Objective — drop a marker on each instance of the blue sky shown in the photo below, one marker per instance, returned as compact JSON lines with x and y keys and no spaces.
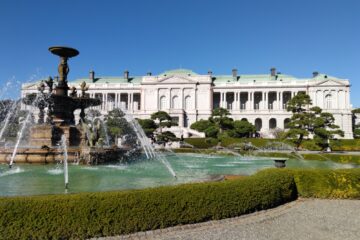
{"x":297,"y":37}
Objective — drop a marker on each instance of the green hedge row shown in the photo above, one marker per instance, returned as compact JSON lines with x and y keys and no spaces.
{"x":202,"y":142}
{"x":339,"y":158}
{"x":339,"y":145}
{"x":86,"y":215}
{"x":346,"y":145}
{"x":322,"y":183}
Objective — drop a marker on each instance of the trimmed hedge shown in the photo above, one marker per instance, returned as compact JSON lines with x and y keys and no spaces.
{"x":202,"y":142}
{"x":86,"y":215}
{"x":321,"y":183}
{"x":339,"y":145}
{"x":346,"y":145}
{"x":339,"y":158}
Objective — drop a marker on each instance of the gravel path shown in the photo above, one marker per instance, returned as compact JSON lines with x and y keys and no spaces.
{"x":301,"y":219}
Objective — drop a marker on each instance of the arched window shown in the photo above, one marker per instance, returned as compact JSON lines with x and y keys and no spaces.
{"x":328,"y":101}
{"x":163,"y":103}
{"x":258,"y":124}
{"x":286,"y":122}
{"x":188,"y":103}
{"x":175,"y":102}
{"x":244,"y":119}
{"x":272,"y":123}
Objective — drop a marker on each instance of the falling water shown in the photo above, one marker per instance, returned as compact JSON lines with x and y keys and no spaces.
{"x":8,"y":115}
{"x":103,"y":125}
{"x":65,"y":153}
{"x":232,"y":152}
{"x":145,"y":143}
{"x":107,"y":141}
{"x":19,"y":137}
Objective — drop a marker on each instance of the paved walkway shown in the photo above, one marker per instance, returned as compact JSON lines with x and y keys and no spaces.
{"x":301,"y":219}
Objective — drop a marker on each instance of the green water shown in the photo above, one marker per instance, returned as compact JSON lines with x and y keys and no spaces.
{"x":49,"y":179}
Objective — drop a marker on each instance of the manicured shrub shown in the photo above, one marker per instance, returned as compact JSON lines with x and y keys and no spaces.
{"x":345,"y":145}
{"x":339,"y":158}
{"x":202,"y":142}
{"x":85,"y":215}
{"x":324,"y":183}
{"x":310,"y":145}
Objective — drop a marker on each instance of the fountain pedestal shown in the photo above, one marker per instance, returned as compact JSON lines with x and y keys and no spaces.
{"x":43,"y":144}
{"x":41,"y":135}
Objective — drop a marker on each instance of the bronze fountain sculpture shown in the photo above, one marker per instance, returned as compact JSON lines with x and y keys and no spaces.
{"x":60,"y":120}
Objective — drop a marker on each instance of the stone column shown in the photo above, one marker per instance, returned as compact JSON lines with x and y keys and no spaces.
{"x":221,"y":99}
{"x":281,"y":105}
{"x":266,"y":100}
{"x":262,"y":106}
{"x":251,"y":100}
{"x":103,"y":101}
{"x":128,"y":108}
{"x":106,"y":102}
{"x":237,"y":107}
{"x":131,"y":101}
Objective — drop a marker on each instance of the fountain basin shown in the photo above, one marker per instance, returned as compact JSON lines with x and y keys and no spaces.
{"x":35,"y":179}
{"x":90,"y":156}
{"x":63,"y":51}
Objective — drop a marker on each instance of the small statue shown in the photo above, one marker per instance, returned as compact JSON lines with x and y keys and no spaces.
{"x":50,"y":84}
{"x":63,"y":70}
{"x":83,"y":88}
{"x":41,"y":87}
{"x":73,"y":91}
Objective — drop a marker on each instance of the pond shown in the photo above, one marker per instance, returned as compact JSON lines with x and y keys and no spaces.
{"x":27,"y":179}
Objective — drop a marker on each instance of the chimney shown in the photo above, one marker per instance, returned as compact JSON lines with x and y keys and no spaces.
{"x":210,"y":73}
{"x":148,"y":74}
{"x":234,"y":73}
{"x":92,"y":75}
{"x":315,"y":74}
{"x":126,"y":74}
{"x":273,"y":72}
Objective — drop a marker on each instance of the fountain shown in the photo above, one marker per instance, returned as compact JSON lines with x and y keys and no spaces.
{"x":57,"y":138}
{"x":59,"y":123}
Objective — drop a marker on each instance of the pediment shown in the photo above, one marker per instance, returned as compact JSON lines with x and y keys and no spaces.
{"x":176,"y":79}
{"x":330,"y":82}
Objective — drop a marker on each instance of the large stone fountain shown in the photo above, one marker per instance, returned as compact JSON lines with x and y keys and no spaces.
{"x":43,"y":142}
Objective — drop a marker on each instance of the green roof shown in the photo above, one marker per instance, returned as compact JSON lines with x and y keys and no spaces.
{"x":180,"y":71}
{"x":251,"y":78}
{"x":246,"y":78}
{"x":134,"y":80}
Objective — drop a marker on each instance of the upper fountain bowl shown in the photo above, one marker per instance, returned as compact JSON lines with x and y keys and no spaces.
{"x":64,"y":51}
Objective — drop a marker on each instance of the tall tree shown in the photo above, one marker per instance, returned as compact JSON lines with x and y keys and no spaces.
{"x":219,"y":117}
{"x":149,"y":126}
{"x":163,"y":118}
{"x":324,"y":129}
{"x":243,"y":129}
{"x":202,"y":125}
{"x":165,"y":137}
{"x":302,"y":118}
{"x":118,"y":126}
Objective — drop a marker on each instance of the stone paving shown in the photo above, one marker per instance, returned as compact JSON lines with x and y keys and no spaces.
{"x":302,"y":219}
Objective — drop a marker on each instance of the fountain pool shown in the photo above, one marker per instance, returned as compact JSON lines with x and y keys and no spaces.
{"x":27,"y":179}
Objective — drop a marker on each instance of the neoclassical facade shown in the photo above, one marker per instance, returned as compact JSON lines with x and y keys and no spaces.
{"x":189,"y":97}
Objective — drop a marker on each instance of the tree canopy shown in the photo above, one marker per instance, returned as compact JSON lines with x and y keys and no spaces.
{"x":308,"y":120}
{"x":220,"y":124}
{"x":163,"y":118}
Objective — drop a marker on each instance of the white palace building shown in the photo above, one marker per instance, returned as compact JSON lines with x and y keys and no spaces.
{"x":189,"y":97}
